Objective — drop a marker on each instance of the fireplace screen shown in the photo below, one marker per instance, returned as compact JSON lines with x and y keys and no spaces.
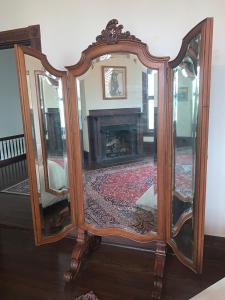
{"x":119,"y":141}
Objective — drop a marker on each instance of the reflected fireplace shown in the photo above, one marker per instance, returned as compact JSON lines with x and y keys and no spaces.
{"x":119,"y":141}
{"x":114,"y":136}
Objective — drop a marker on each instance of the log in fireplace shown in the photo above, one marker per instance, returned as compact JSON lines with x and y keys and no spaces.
{"x":115,"y":136}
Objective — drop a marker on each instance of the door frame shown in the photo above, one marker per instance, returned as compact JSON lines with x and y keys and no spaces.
{"x":28,"y":36}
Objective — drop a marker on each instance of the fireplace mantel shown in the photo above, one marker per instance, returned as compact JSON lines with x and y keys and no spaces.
{"x":113,"y":112}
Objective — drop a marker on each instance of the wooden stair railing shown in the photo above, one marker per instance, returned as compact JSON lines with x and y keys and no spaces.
{"x":12,"y":149}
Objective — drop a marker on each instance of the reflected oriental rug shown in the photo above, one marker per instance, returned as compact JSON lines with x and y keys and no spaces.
{"x":111,"y":195}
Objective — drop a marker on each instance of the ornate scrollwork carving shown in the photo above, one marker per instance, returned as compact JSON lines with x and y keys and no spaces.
{"x":113,"y":33}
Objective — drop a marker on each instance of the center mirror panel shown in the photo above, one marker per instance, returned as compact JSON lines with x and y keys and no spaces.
{"x":46,"y":103}
{"x":117,"y":107}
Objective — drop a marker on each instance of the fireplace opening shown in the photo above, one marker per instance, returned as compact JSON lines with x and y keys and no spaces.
{"x":115,"y":136}
{"x":119,"y":141}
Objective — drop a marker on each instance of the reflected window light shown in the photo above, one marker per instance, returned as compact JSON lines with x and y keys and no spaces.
{"x":105,"y":57}
{"x":61,"y":112}
{"x":60,"y":92}
{"x":184,"y":73}
{"x":151,"y":98}
{"x":48,"y":81}
{"x":175,"y":96}
{"x":79,"y":104}
{"x":151,"y":83}
{"x":50,"y":75}
{"x":61,"y":107}
{"x":150,"y":114}
{"x":78,"y":88}
{"x":198,"y":74}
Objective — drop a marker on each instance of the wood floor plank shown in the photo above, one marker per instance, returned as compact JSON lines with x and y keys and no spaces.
{"x":28,"y":272}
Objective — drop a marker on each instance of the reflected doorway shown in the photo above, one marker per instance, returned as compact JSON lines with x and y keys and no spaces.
{"x":15,"y":209}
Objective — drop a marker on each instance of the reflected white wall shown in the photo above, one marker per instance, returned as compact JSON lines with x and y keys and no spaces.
{"x":10,"y":112}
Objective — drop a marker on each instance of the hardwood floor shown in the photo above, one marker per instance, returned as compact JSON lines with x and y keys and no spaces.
{"x":35,"y":273}
{"x":15,"y":210}
{"x":13,"y":173}
{"x":28,"y":272}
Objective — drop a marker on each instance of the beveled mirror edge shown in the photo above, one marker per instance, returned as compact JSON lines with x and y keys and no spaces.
{"x":205,"y":27}
{"x":186,"y":40}
{"x":23,"y":89}
{"x":159,"y":63}
{"x":43,"y":143}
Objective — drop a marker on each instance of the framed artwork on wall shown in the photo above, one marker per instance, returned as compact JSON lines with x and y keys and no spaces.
{"x":114,"y":82}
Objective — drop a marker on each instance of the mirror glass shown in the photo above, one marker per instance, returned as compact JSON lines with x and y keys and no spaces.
{"x":53,"y":134}
{"x":117,"y":105}
{"x":185,"y":125}
{"x":49,"y":140}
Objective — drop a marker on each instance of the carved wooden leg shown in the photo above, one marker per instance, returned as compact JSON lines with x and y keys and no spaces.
{"x":160,"y":258}
{"x":77,"y":255}
{"x":84,"y":245}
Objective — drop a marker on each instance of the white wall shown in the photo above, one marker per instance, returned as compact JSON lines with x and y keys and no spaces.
{"x":93,"y":84}
{"x":67,"y":27}
{"x":10,"y":113}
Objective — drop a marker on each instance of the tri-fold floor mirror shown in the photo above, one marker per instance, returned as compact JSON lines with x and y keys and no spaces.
{"x":117,"y":145}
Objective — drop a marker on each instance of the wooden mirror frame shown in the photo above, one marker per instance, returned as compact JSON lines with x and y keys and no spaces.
{"x":205,"y":29}
{"x":113,"y":40}
{"x":21,"y":51}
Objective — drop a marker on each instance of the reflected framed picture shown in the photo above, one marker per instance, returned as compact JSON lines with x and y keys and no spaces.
{"x":114,"y":82}
{"x":182,"y":94}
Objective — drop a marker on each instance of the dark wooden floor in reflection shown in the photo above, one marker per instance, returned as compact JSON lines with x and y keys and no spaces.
{"x":12,"y":174}
{"x":15,"y":210}
{"x":35,"y":273}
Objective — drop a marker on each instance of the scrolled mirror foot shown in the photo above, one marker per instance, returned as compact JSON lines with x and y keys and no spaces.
{"x":74,"y":270}
{"x":160,"y":258}
{"x":68,"y":276}
{"x":85,"y":244}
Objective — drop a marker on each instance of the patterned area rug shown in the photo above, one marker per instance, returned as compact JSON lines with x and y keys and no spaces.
{"x":19,"y":188}
{"x":88,"y":296}
{"x":184,"y":171}
{"x":111,"y":195}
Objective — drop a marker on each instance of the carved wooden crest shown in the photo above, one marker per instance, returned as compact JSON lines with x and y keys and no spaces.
{"x":113,"y":33}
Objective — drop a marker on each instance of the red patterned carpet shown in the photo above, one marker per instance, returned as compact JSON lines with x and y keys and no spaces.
{"x":124,"y":183}
{"x":111,"y":195}
{"x":184,"y":171}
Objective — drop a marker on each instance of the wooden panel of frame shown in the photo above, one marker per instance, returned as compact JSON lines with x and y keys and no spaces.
{"x":21,"y":51}
{"x":113,"y":41}
{"x":197,"y":215}
{"x":120,"y":43}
